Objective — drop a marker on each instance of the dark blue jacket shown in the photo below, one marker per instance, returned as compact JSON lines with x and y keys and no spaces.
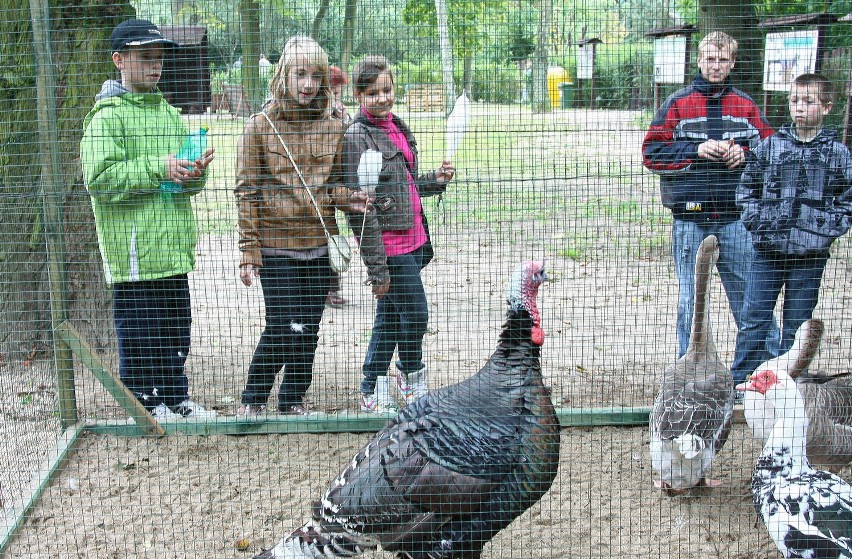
{"x":796,"y":197}
{"x":696,"y":189}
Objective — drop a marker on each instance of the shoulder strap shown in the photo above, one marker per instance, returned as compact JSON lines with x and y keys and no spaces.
{"x":298,"y":171}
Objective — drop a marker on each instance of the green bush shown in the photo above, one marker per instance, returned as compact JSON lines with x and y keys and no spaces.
{"x":223,"y":77}
{"x":496,"y":83}
{"x":491,"y":83}
{"x":408,"y":73}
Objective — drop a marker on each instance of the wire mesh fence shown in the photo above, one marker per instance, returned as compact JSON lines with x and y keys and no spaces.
{"x":182,"y":374}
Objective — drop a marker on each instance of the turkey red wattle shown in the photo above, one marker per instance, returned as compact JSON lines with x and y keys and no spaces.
{"x":537,"y":335}
{"x":536,"y":332}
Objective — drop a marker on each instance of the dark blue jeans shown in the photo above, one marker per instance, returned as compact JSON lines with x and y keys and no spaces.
{"x":294,"y":294}
{"x":153,"y":324}
{"x":400,"y":323}
{"x":801,"y":278}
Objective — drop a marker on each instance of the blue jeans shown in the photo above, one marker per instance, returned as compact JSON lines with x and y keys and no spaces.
{"x":801,"y":278}
{"x":400,"y":324}
{"x":735,"y":255}
{"x":153,"y":324}
{"x":294,"y":294}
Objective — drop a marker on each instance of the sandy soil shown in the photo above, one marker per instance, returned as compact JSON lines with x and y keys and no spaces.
{"x":609,"y":317}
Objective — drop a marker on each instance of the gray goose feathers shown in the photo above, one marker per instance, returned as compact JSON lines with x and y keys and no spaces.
{"x":827,"y":401}
{"x":691,"y":417}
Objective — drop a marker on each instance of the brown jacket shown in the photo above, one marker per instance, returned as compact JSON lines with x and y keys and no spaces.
{"x":274,"y":209}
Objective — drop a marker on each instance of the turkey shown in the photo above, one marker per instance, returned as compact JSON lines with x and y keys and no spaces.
{"x":808,"y":512}
{"x":456,"y":466}
{"x":691,"y":417}
{"x":827,"y":400}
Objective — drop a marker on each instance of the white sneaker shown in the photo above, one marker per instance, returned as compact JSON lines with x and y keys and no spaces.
{"x":251,"y":410}
{"x":193,"y":410}
{"x":413,"y":385}
{"x":163,"y":413}
{"x":380,"y":401}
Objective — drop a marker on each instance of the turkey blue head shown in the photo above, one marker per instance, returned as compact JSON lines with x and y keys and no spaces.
{"x":523,"y":290}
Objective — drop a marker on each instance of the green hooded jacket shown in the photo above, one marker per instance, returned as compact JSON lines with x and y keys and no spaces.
{"x":143,"y":233}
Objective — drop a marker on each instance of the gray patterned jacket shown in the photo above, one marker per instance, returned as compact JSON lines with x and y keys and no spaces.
{"x":796,"y":197}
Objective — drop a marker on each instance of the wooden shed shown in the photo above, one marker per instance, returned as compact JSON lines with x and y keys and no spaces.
{"x":186,"y":76}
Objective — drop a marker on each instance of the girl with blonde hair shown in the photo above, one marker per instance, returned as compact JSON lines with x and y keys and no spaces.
{"x":282,"y":241}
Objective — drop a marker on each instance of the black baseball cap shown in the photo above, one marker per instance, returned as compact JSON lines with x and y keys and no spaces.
{"x":137,"y":32}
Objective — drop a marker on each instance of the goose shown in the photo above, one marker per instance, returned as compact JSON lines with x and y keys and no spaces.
{"x":807,"y":511}
{"x":691,"y":417}
{"x":827,"y":400}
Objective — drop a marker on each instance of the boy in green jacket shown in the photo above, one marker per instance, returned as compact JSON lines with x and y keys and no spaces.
{"x":147,"y":237}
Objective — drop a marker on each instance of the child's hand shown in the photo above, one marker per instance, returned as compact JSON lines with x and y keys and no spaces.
{"x":445,"y":172}
{"x":178,"y":170}
{"x":181,"y":170}
{"x":202,"y":162}
{"x":359,"y":202}
{"x":380,"y":289}
{"x":247,"y":272}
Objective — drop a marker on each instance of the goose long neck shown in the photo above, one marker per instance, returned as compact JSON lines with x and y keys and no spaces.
{"x":701,"y":342}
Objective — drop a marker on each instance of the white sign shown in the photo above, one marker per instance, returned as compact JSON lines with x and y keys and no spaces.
{"x":788,"y":55}
{"x":670,"y":59}
{"x":585,"y":61}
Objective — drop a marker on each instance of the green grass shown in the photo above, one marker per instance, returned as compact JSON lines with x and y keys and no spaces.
{"x":215,"y":206}
{"x":510,"y":171}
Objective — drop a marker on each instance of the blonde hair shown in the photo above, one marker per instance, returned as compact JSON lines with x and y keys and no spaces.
{"x":721,"y":41}
{"x":314,"y":55}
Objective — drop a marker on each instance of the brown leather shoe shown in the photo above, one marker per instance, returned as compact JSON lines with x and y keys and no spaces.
{"x":335,"y":300}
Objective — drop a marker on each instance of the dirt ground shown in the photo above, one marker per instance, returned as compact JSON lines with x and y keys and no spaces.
{"x":609,"y":318}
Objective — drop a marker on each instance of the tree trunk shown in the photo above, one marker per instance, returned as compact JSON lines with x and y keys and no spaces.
{"x":349,"y":13}
{"x":318,"y":19}
{"x":738,"y":19}
{"x":446,"y":55}
{"x":540,"y":100}
{"x":81,"y":62}
{"x":467,"y":76}
{"x":250,"y":41}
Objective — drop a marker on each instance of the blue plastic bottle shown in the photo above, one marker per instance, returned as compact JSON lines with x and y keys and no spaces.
{"x":192,"y":149}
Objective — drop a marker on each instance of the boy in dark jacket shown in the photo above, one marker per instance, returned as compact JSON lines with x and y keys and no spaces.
{"x":796,"y":198}
{"x":697,"y":143}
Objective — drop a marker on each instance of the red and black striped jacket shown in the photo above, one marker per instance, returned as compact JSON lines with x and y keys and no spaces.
{"x":696,"y":189}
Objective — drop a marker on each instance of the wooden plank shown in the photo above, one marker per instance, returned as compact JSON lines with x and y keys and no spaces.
{"x":110,"y":381}
{"x":346,"y":422}
{"x":589,"y":417}
{"x":53,"y":193}
{"x":44,"y":476}
{"x":425,"y":98}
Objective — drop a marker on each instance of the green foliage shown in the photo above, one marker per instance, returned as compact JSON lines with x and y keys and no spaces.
{"x":491,"y":83}
{"x":227,"y":76}
{"x":494,"y":83}
{"x":466,"y":19}
{"x":623,"y":77}
{"x":521,"y":44}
